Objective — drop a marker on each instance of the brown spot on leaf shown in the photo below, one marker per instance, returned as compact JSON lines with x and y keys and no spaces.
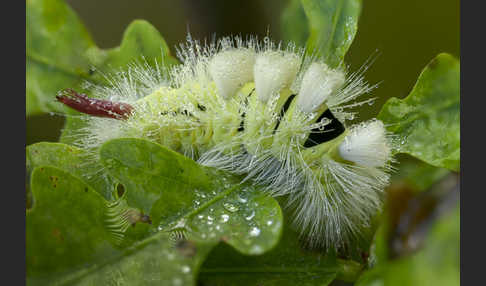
{"x":56,"y":233}
{"x":120,"y":190}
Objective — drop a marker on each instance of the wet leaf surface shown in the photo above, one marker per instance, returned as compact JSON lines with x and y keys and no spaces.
{"x":427,"y":121}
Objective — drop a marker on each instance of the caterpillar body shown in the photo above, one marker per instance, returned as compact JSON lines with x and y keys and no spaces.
{"x":261,"y":110}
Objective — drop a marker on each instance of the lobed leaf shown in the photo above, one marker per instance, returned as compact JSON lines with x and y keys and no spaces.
{"x":181,"y":195}
{"x":427,"y":121}
{"x":56,"y":47}
{"x":70,"y":242}
{"x":71,"y":160}
{"x":61,"y":54}
{"x":287,"y":264}
{"x":67,"y":242}
{"x":65,"y":227}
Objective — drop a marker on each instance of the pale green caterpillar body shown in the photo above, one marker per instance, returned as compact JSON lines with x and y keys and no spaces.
{"x":269,"y":113}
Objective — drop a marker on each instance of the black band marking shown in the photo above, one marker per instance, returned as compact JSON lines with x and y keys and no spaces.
{"x":201,"y":107}
{"x":284,"y":109}
{"x":242,"y":123}
{"x":331,"y":131}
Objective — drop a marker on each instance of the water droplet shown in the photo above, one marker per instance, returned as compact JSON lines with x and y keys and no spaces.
{"x":255,"y":231}
{"x":250,"y":216}
{"x":224,"y":218}
{"x":242,"y":199}
{"x":230,"y":207}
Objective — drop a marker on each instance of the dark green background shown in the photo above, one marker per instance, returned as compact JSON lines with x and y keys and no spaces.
{"x":406,"y":33}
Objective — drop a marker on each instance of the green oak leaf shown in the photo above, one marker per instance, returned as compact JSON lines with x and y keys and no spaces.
{"x":56,"y":44}
{"x":69,"y":159}
{"x":67,"y":242}
{"x":65,"y":229}
{"x":154,"y":261}
{"x":427,"y":121}
{"x":141,"y":43}
{"x":330,"y":30}
{"x":287,"y":264}
{"x":169,"y":186}
{"x":180,"y":195}
{"x":61,"y":53}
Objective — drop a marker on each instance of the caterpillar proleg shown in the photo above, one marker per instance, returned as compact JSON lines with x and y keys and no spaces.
{"x":262,"y":110}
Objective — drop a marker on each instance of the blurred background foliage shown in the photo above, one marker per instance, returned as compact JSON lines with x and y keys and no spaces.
{"x":404,"y":34}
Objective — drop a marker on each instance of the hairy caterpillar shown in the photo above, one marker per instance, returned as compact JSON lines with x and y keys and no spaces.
{"x":261,"y":110}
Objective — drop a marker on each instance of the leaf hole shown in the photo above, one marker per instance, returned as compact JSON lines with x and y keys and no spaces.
{"x":120,"y":190}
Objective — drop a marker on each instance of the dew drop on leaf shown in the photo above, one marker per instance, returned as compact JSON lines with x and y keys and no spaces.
{"x":255,"y":231}
{"x":249,"y":217}
{"x":186,"y":269}
{"x":224,"y":218}
{"x":230,"y":207}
